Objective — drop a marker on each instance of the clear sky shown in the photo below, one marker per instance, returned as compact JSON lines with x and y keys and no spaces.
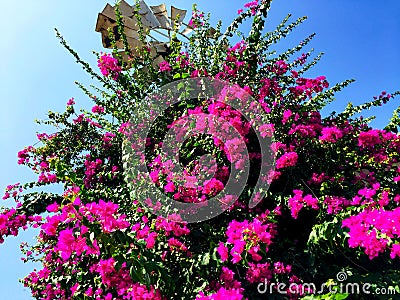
{"x":361,"y":39}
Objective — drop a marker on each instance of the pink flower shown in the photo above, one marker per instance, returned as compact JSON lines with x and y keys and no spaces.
{"x":286,"y":115}
{"x":330,"y":134}
{"x":212,"y":187}
{"x":395,"y":251}
{"x":307,"y":86}
{"x":47,"y":178}
{"x":288,"y":159}
{"x":165,"y":66}
{"x":154,"y":176}
{"x":195,"y":73}
{"x":108,"y":297}
{"x":151,"y":240}
{"x":311,"y":201}
{"x":369,"y":139}
{"x":267,"y":130}
{"x":97,"y":109}
{"x":173,"y":243}
{"x":371,"y":229}
{"x":304,"y":130}
{"x":109,"y":66}
{"x":247,"y":235}
{"x":89,"y":292}
{"x":66,"y":240}
{"x":279,"y":68}
{"x":258,"y":273}
{"x":122,"y":282}
{"x":335,"y":204}
{"x":251,"y":4}
{"x":222,"y":294}
{"x":44,"y":165}
{"x":280,"y":268}
{"x":107,"y":215}
{"x":74,"y":288}
{"x":169,"y":187}
{"x":297,"y":202}
{"x":71,"y":102}
{"x":50,"y":227}
{"x":53,"y":207}
{"x":77,"y":201}
{"x":222,"y":251}
{"x":227,"y":275}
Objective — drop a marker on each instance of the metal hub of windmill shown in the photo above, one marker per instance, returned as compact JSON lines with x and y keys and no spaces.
{"x":156,"y":21}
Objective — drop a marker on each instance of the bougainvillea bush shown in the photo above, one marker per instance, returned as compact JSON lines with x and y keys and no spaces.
{"x":332,"y":206}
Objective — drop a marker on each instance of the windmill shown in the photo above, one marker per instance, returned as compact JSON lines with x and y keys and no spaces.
{"x":157,"y":24}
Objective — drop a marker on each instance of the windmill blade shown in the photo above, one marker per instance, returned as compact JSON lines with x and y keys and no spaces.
{"x":108,"y":16}
{"x":161,"y":48}
{"x":125,"y":9}
{"x":107,"y":19}
{"x":160,"y":12}
{"x":157,"y":61}
{"x":135,"y":43}
{"x":106,"y":40}
{"x":125,"y":58}
{"x":126,"y":12}
{"x":148,"y":17}
{"x":129,"y":58}
{"x":187,"y":30}
{"x":104,"y":22}
{"x":211,"y":32}
{"x":130,"y":22}
{"x":131,"y":36}
{"x":153,"y":49}
{"x":131,"y":33}
{"x":109,"y":12}
{"x":174,"y":14}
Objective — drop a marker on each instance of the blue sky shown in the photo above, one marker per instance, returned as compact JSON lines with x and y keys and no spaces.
{"x":360,"y":39}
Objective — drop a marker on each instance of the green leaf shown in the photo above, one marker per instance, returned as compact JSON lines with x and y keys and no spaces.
{"x":206,"y":259}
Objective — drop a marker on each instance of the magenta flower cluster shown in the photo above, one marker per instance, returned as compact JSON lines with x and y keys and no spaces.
{"x":376,"y":231}
{"x":246,"y":238}
{"x":109,"y":66}
{"x":298,"y":201}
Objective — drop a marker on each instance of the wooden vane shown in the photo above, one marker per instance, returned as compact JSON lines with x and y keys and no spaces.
{"x":156,"y":22}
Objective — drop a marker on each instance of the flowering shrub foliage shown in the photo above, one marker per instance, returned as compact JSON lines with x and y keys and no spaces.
{"x":333,"y":202}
